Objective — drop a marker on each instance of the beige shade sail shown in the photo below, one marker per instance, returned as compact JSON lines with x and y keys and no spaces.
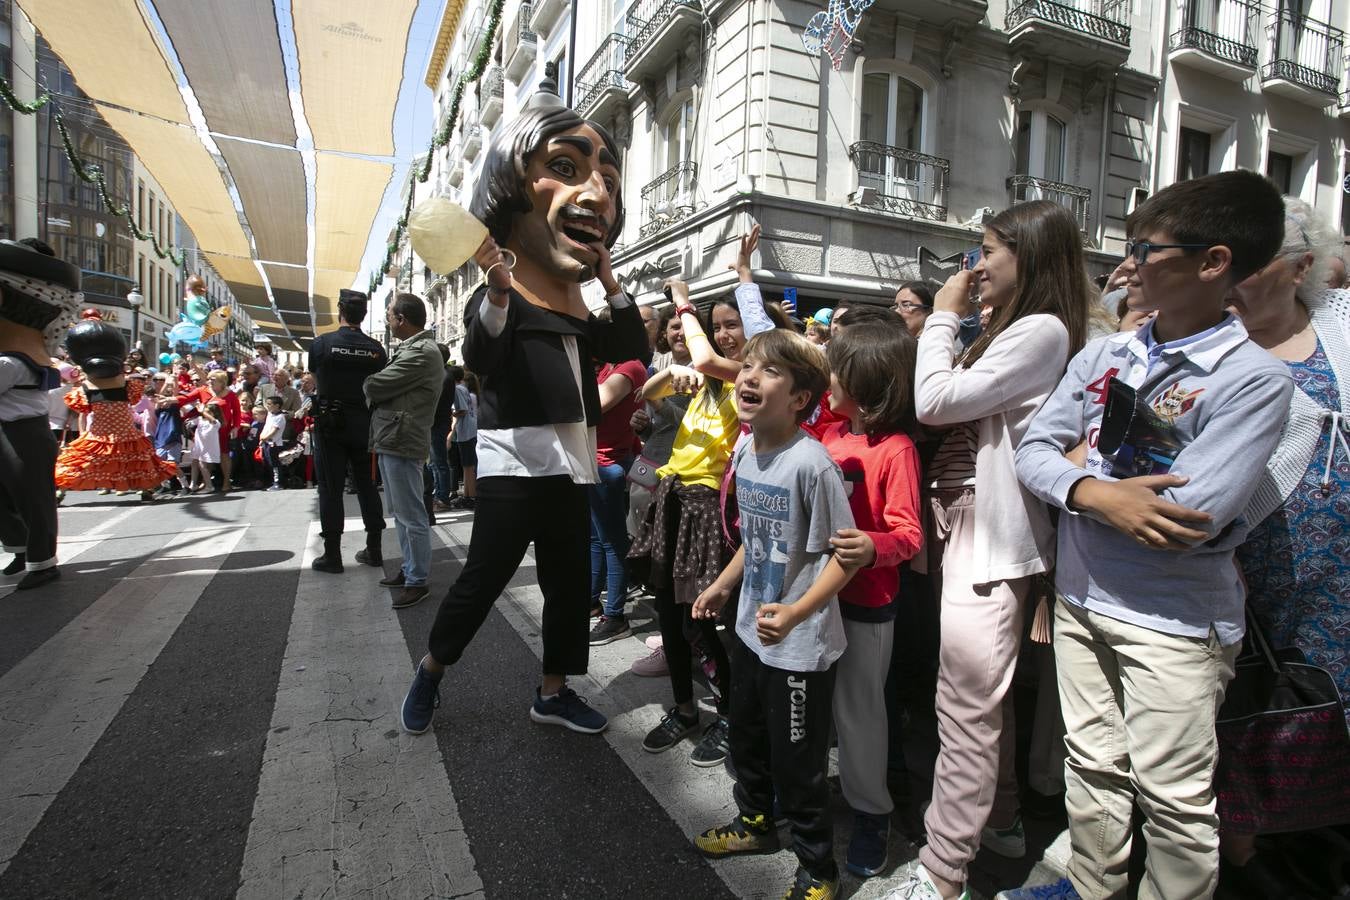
{"x":231,"y":53}
{"x":271,"y":184}
{"x":350,"y":56}
{"x":111,"y":50}
{"x":188,"y":174}
{"x":351,"y":68}
{"x":348,"y":193}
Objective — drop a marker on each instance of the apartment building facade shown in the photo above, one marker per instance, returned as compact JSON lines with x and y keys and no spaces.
{"x":941,"y":113}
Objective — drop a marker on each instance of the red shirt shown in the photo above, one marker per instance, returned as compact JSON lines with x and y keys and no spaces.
{"x":614,"y":437}
{"x":881,"y":477}
{"x":823,"y":420}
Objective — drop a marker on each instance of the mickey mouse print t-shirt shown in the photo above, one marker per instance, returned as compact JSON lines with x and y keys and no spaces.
{"x":791,"y":502}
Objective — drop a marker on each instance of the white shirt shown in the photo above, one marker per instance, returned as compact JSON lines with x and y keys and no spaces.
{"x":18,"y":402}
{"x":538,"y":451}
{"x":275,"y":429}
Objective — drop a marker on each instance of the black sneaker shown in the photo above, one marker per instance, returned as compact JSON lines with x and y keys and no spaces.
{"x":607,"y":630}
{"x":674,"y":727}
{"x":17,"y":564}
{"x":715,"y":744}
{"x":807,"y":887}
{"x":866,"y":854}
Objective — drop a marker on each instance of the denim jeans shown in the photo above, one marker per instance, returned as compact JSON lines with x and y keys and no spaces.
{"x":442,"y":481}
{"x":609,"y":536}
{"x":403,"y":489}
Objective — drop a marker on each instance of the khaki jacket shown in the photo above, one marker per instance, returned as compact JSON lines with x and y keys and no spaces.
{"x":402,"y":398}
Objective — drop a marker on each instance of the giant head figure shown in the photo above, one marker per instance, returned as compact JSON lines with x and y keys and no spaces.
{"x":37,"y":290}
{"x":550,"y":188}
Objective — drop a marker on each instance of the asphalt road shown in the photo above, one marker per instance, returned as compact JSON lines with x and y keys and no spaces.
{"x":190,"y":711}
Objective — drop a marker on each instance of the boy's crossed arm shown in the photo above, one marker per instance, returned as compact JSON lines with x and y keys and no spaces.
{"x":775,"y":621}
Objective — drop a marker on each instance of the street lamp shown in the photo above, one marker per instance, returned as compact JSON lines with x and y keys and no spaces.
{"x":134,"y":300}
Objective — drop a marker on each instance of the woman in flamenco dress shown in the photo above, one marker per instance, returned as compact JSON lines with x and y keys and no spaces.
{"x":112,"y":453}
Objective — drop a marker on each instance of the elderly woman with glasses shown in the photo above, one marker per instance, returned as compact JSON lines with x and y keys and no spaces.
{"x":1294,"y":561}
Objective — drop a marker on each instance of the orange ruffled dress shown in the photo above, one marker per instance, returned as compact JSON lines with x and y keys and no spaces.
{"x":112,"y":453}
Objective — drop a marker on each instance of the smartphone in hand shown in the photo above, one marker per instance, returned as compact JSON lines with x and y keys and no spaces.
{"x":970,"y":259}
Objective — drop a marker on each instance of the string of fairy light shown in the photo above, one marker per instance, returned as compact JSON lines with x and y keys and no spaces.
{"x":89,"y":173}
{"x":470,"y":76}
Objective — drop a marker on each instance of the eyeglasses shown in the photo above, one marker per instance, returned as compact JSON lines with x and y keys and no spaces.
{"x":907,"y":306}
{"x":1141,"y":249}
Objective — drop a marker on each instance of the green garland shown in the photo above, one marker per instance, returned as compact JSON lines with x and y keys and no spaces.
{"x":442,"y":136}
{"x":88,"y":173}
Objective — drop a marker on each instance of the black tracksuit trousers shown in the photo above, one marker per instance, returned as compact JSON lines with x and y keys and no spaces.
{"x":780,"y":744}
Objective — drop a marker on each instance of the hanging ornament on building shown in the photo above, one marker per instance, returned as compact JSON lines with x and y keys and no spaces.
{"x":831,"y":31}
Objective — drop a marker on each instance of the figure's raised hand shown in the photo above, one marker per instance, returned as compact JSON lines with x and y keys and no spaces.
{"x":491,"y":260}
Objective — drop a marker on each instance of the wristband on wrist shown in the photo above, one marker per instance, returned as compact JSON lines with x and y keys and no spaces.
{"x":686,"y":308}
{"x":695,"y":337}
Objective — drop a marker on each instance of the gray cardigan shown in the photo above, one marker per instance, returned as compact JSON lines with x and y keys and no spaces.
{"x":1330,"y":315}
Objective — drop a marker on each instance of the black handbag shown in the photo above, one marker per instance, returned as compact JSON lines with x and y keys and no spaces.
{"x":1284,"y":749}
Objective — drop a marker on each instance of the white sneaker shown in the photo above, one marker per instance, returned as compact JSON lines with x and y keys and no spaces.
{"x":920,"y":886}
{"x":1010,"y":842}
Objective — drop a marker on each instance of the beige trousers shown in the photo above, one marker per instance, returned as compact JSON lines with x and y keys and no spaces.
{"x":1139,"y":709}
{"x":981,"y":633}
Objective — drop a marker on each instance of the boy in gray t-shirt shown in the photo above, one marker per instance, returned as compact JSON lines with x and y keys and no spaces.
{"x":789,"y":633}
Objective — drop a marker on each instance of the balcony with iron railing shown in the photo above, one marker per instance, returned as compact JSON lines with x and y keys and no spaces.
{"x":1219,"y":38}
{"x":454,"y":165}
{"x":900,"y":181}
{"x":1083,"y":32}
{"x":600,"y":83}
{"x":471,"y":139}
{"x":1077,"y":200}
{"x":520,"y":44}
{"x":669,"y":198}
{"x":490,"y":96}
{"x":657,"y":30}
{"x":1307,"y":59}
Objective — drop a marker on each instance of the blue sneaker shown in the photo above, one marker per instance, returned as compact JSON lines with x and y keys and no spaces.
{"x":420,"y":705}
{"x":569,"y":710}
{"x":867,"y":847}
{"x":1060,"y":890}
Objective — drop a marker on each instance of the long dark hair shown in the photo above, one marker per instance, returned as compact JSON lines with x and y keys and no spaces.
{"x":499,"y":196}
{"x":1051,"y":274}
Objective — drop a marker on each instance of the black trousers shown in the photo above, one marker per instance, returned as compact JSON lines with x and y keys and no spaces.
{"x":780,"y":743}
{"x":28,"y":490}
{"x":510,"y":513}
{"x":332,"y":454}
{"x":683,"y":639}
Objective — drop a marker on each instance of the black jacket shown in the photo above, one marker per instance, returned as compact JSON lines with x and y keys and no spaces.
{"x":341,"y":361}
{"x":525,"y":378}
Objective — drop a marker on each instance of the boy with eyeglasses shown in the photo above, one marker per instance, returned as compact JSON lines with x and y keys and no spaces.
{"x":1151,"y":612}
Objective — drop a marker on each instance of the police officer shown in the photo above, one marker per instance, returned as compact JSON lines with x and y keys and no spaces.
{"x":341,"y":360}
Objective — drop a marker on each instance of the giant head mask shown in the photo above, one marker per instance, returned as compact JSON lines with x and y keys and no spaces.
{"x":37,"y":290}
{"x":550,"y":188}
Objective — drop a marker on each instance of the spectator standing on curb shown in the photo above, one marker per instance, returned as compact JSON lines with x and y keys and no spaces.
{"x":402,"y":398}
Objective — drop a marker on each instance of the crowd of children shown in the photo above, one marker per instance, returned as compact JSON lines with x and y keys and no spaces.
{"x":787,"y":485}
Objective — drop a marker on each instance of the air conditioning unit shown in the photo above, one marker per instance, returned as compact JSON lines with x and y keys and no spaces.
{"x":1137,"y":197}
{"x":863,"y":196}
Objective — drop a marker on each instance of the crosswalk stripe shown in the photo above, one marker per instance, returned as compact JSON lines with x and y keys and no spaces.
{"x":695,"y":798}
{"x":347,"y":804}
{"x":59,"y":700}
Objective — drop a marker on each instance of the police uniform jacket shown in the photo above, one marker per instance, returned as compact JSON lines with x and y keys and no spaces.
{"x":341,"y":361}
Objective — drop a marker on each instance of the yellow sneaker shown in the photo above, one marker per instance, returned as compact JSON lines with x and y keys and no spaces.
{"x":745,"y":834}
{"x":806,"y":887}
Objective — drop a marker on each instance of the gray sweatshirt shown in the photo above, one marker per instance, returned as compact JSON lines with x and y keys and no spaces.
{"x":1228,"y":401}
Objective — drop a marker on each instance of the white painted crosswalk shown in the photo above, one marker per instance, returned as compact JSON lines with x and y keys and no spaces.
{"x":338,"y":801}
